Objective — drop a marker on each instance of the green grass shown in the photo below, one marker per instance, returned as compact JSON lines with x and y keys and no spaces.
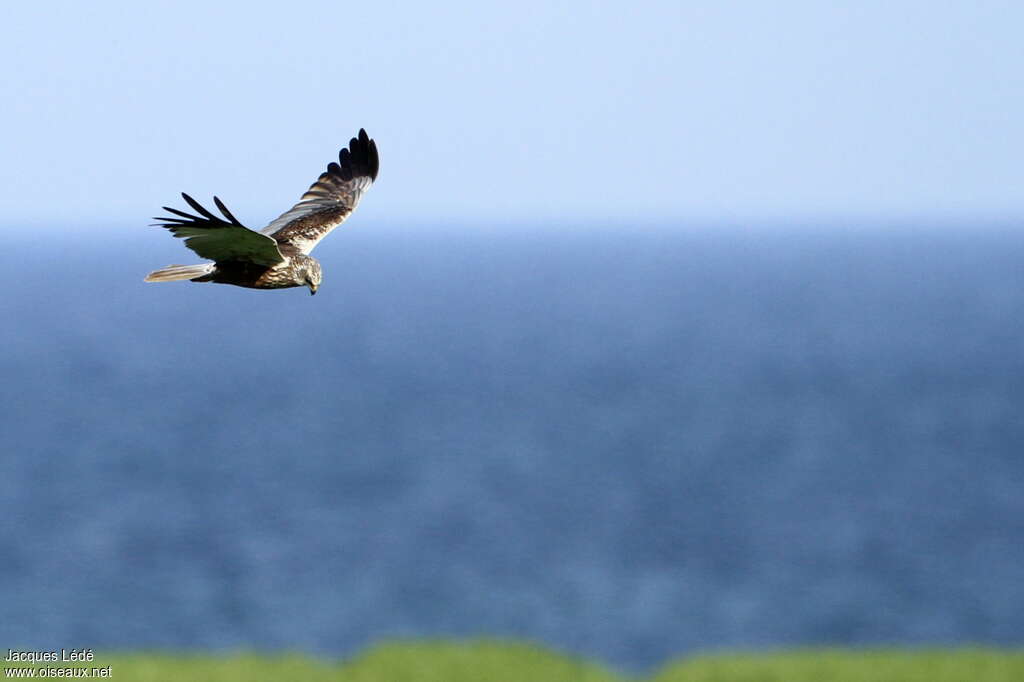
{"x":492,"y":661}
{"x":834,"y":665}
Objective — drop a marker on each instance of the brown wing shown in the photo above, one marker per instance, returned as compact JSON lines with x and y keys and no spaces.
{"x":220,"y":240}
{"x":330,"y":199}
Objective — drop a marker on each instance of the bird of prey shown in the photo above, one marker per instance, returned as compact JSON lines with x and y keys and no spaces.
{"x":276,"y":257}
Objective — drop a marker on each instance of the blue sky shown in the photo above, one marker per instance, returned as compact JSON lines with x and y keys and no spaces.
{"x":497,"y":113}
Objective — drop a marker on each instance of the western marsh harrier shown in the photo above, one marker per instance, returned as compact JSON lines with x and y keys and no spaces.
{"x":276,"y":257}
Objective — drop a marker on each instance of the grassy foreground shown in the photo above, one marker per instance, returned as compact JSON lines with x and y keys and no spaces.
{"x":490,"y":661}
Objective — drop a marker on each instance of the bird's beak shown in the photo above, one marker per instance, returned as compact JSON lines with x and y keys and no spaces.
{"x":312,"y":291}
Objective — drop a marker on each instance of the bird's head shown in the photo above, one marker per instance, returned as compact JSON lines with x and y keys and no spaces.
{"x":313,"y":276}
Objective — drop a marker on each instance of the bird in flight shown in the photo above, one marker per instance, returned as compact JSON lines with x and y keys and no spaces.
{"x":276,"y":257}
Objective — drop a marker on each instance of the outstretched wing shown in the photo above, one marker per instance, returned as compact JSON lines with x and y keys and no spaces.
{"x":220,"y":240}
{"x":331,"y":199}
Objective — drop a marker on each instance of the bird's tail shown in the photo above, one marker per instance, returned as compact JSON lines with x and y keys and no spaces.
{"x":173,"y":273}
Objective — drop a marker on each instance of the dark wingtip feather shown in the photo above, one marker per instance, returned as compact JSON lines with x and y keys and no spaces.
{"x":199,"y":207}
{"x":175,"y":211}
{"x":346,"y":169}
{"x":374,"y":160}
{"x":224,"y":209}
{"x":360,"y":158}
{"x":204,"y":219}
{"x":368,"y":154}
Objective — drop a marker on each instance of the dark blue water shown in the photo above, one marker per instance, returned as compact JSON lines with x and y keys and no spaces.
{"x":626,"y":443}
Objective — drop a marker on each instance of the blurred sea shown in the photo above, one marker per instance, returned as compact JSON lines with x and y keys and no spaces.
{"x":630,"y":443}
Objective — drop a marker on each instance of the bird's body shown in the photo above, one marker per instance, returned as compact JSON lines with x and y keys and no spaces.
{"x":276,"y":257}
{"x":295,"y":271}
